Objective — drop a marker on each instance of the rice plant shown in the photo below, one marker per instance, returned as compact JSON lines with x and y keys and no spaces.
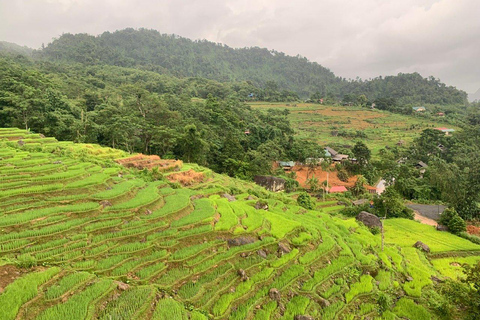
{"x":322,"y":274}
{"x":173,"y":203}
{"x":173,"y":275}
{"x":31,"y":190}
{"x":169,"y":309}
{"x":228,"y":219}
{"x":150,"y":271}
{"x":18,"y":218}
{"x":363,"y":286}
{"x":78,"y":306}
{"x":410,"y":310}
{"x":22,"y":290}
{"x":66,"y":283}
{"x":94,"y":179}
{"x":145,"y":196}
{"x":187,"y":252}
{"x":296,"y":306}
{"x":118,"y":189}
{"x":129,"y":304}
{"x":203,"y":210}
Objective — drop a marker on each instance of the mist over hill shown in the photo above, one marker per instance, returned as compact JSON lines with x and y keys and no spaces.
{"x":474,"y":96}
{"x":13,"y":48}
{"x":182,"y":57}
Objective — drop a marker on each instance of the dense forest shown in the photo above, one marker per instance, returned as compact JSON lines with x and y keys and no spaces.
{"x":263,"y":68}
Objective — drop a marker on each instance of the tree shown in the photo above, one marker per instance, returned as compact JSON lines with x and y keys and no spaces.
{"x":359,"y":186}
{"x":313,"y":184}
{"x":390,"y":204}
{"x":192,"y":146}
{"x":452,"y":220}
{"x":361,"y":153}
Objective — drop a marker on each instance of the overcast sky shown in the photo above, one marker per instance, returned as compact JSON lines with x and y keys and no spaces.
{"x":363,"y":38}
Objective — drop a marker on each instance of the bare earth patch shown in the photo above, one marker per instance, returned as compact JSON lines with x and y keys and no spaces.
{"x":424,"y":220}
{"x":8,"y":273}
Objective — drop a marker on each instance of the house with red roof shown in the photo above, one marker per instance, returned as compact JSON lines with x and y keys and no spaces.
{"x":337,"y":189}
{"x":447,"y":131}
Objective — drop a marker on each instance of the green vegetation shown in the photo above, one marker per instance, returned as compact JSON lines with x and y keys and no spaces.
{"x":21,"y":291}
{"x":405,"y":233}
{"x":170,"y":244}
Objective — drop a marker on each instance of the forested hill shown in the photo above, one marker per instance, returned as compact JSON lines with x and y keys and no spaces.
{"x":14,"y":49}
{"x":181,"y":57}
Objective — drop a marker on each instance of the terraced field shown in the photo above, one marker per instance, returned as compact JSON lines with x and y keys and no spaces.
{"x":82,"y":237}
{"x":326,"y":124}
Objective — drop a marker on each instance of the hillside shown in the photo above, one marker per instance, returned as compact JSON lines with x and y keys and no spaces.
{"x":270,"y":69}
{"x":12,"y":48}
{"x":83,"y":237}
{"x":344,"y":125}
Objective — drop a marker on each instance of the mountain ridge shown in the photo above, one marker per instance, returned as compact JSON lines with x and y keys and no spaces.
{"x":182,"y":57}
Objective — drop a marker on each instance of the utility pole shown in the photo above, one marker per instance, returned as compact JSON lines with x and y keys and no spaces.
{"x":327,"y":180}
{"x":381,"y":220}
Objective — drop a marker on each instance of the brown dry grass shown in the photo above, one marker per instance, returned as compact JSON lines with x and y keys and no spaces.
{"x":141,"y":161}
{"x":186,"y":178}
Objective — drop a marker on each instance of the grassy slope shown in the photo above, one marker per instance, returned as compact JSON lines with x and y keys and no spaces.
{"x":315,"y":122}
{"x":180,"y":248}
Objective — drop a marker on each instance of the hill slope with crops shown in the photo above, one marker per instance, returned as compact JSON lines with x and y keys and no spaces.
{"x":83,"y":237}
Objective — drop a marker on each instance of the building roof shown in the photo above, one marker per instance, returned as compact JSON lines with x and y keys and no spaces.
{"x":313,"y":160}
{"x":340,"y":157}
{"x":360,"y":202}
{"x":422,"y":164}
{"x":336,"y":189}
{"x":331,"y":151}
{"x":286,"y":163}
{"x":443,"y":129}
{"x":418,"y":108}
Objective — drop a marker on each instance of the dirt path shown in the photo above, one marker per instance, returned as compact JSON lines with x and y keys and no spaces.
{"x":424,"y":220}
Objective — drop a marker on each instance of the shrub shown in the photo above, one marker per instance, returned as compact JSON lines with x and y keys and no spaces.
{"x":456,"y":225}
{"x":453,"y":221}
{"x":304,"y":200}
{"x":342,"y":175}
{"x":26,"y":261}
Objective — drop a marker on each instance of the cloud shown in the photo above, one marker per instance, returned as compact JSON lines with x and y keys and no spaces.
{"x":353,"y":38}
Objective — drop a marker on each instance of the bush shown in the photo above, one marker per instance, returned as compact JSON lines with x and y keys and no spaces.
{"x":375,"y":230}
{"x":456,"y":225}
{"x":304,"y":200}
{"x":342,"y":175}
{"x":353,"y":211}
{"x":26,"y":261}
{"x":291,"y":185}
{"x":447,"y":215}
{"x":384,"y":302}
{"x":453,"y":221}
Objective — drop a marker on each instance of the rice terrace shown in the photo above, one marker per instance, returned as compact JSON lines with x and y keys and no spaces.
{"x":326,"y":124}
{"x":105,"y":242}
